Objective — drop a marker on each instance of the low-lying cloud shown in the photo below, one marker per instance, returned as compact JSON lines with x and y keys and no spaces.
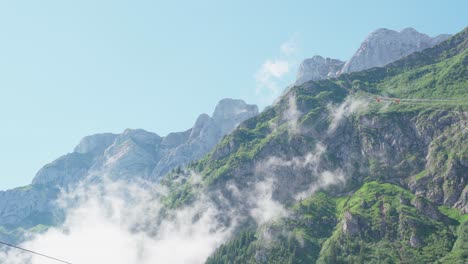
{"x":292,"y":115}
{"x":120,"y":223}
{"x":347,"y":108}
{"x":325,"y":179}
{"x":265,"y":208}
{"x":310,"y":162}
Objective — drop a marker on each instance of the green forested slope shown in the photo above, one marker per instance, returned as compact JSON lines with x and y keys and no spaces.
{"x":404,"y":197}
{"x":379,"y":223}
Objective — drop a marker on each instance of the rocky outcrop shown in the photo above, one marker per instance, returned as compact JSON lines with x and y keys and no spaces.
{"x":381,"y":47}
{"x":428,"y":209}
{"x":205,"y":134}
{"x":318,"y":68}
{"x":132,"y":155}
{"x":95,"y":144}
{"x":137,"y":153}
{"x":384,"y":46}
{"x":72,"y":167}
{"x":66,"y":169}
{"x":23,"y":206}
{"x":351,"y":225}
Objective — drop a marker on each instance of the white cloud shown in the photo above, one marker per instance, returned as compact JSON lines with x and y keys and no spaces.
{"x":345,"y":109}
{"x":311,"y":162}
{"x":290,"y":47}
{"x":271,"y":76}
{"x":274,"y":69}
{"x":292,"y":115}
{"x":325,"y":179}
{"x":265,"y":208}
{"x":121,"y":223}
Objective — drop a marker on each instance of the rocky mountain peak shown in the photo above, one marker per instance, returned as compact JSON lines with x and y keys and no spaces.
{"x":381,"y":47}
{"x":232,"y":108}
{"x":384,"y":46}
{"x":410,"y":30}
{"x":138,"y":153}
{"x":203,"y":123}
{"x":317,"y":68}
{"x":95,"y":143}
{"x":139,"y":136}
{"x":439,"y":38}
{"x":230,"y":112}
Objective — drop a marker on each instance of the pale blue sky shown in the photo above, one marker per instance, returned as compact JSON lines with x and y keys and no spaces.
{"x":73,"y":68}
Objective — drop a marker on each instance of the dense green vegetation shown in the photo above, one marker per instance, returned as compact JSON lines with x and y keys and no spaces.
{"x":437,"y":73}
{"x":297,"y":239}
{"x":382,"y":227}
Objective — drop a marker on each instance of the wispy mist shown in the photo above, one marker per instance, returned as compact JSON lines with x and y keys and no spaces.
{"x":292,"y":115}
{"x":347,"y":108}
{"x":265,"y":208}
{"x":122,"y":223}
{"x":117,"y":222}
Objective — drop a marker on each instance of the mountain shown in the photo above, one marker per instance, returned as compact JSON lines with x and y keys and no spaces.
{"x":328,"y":174}
{"x":380,"y":48}
{"x":384,"y":46}
{"x":133,"y":154}
{"x":318,"y":68}
{"x":350,"y":180}
{"x":139,"y":153}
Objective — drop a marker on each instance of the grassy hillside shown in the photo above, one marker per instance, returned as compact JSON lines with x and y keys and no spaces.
{"x":377,"y":224}
{"x":404,"y":196}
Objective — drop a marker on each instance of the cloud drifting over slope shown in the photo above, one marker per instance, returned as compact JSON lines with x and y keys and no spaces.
{"x":122,"y":224}
{"x":265,"y":208}
{"x":347,"y":108}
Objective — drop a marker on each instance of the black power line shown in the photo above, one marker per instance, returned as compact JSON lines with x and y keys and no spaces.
{"x":30,"y":251}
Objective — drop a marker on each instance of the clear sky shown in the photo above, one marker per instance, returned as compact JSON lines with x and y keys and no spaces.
{"x":72,"y":68}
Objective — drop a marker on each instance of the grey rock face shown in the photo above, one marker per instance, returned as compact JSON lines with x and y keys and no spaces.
{"x":137,"y":153}
{"x":95,"y":144}
{"x":131,"y":155}
{"x":428,"y":209}
{"x":384,"y":46}
{"x":175,"y":139}
{"x":229,"y":113}
{"x":134,"y":154}
{"x":17,"y":205}
{"x":381,"y":47}
{"x":318,"y":68}
{"x":415,"y":241}
{"x":350,"y":224}
{"x":205,"y":134}
{"x":439,"y":38}
{"x":74,"y":166}
{"x":68,"y":168}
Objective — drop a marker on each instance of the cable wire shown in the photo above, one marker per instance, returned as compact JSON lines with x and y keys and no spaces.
{"x":33,"y":252}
